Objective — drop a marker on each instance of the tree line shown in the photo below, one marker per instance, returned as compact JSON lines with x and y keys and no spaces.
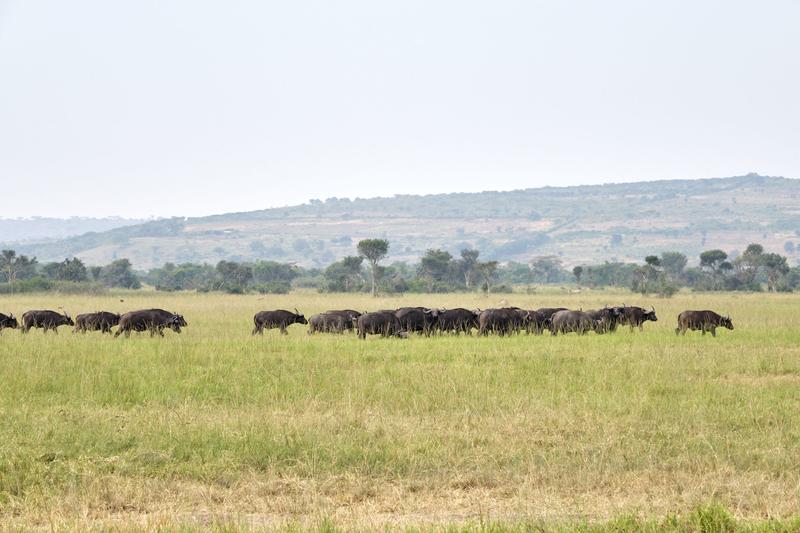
{"x":437,"y":271}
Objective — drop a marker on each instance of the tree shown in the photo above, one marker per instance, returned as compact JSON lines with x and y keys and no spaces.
{"x":120,"y":274}
{"x":775,"y":267}
{"x":673,"y":264}
{"x":344,"y":275}
{"x":14,"y":267}
{"x":68,"y":270}
{"x":577,"y":272}
{"x":435,"y":267}
{"x":96,"y":272}
{"x":715,"y":263}
{"x":653,"y":261}
{"x":488,"y":271}
{"x":374,"y":250}
{"x":468,"y":266}
{"x":651,"y":278}
{"x":747,"y":267}
{"x":712,"y":259}
{"x":546,"y":269}
{"x":235,"y":278}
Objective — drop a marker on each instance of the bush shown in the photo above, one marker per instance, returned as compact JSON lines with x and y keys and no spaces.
{"x":36,"y":284}
{"x":274,"y":287}
{"x":75,"y":287}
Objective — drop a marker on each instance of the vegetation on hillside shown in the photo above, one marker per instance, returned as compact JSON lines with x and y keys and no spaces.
{"x":579,"y":225}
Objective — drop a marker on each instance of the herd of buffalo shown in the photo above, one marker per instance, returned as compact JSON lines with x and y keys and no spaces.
{"x":395,"y":322}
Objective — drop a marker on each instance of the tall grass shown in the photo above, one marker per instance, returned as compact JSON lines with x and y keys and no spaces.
{"x":277,"y":430}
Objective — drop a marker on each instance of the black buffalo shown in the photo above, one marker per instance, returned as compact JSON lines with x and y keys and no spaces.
{"x":458,"y":320}
{"x":152,"y":320}
{"x":574,"y":322}
{"x":349,"y":313}
{"x":333,"y":321}
{"x":608,"y":317}
{"x":384,"y":323}
{"x":8,"y":321}
{"x":539,"y":320}
{"x":47,"y":320}
{"x":277,"y":319}
{"x":636,"y":316}
{"x":418,"y":319}
{"x":100,"y":321}
{"x":503,"y":321}
{"x":702,"y":320}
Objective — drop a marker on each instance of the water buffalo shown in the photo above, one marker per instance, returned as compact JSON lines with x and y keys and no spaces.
{"x":608,"y":317}
{"x":637,"y":316}
{"x":277,"y":319}
{"x":574,"y":321}
{"x":152,"y":320}
{"x":702,"y":320}
{"x":539,"y":320}
{"x":47,"y":320}
{"x":332,"y":322}
{"x":419,"y":319}
{"x":8,"y":321}
{"x":100,"y":321}
{"x":458,"y":320}
{"x":503,"y":321}
{"x":384,"y":323}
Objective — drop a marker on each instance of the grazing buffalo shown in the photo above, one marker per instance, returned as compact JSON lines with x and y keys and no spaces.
{"x":458,"y":320}
{"x":384,"y":323}
{"x":503,"y":321}
{"x":47,"y":320}
{"x":100,"y":321}
{"x":539,"y":320}
{"x":637,"y":316}
{"x":277,"y":319}
{"x":152,"y":320}
{"x":419,"y":319}
{"x":333,"y":322}
{"x":702,"y":320}
{"x":608,"y":317}
{"x":350,"y":315}
{"x":8,"y":321}
{"x":574,"y":322}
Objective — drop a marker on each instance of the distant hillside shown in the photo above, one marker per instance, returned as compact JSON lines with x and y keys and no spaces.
{"x":44,"y":228}
{"x":580,"y":224}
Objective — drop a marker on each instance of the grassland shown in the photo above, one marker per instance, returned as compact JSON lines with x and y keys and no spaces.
{"x":216,"y":427}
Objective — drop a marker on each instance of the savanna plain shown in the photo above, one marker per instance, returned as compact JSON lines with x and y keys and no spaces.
{"x":216,"y":428}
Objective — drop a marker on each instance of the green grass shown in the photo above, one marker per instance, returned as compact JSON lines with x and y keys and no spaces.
{"x":215,"y":427}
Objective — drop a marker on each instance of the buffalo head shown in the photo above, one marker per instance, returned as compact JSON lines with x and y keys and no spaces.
{"x":726,"y":322}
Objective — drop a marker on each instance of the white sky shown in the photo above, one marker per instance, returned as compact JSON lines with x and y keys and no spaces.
{"x":187,"y":107}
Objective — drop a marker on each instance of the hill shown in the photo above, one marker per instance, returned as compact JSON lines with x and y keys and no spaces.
{"x":584,"y":224}
{"x":36,"y":229}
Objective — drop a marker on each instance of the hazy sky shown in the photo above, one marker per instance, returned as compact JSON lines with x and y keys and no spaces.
{"x":186,"y":107}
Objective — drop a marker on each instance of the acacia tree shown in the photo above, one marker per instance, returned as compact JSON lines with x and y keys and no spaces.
{"x":373,"y":250}
{"x":715,"y":262}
